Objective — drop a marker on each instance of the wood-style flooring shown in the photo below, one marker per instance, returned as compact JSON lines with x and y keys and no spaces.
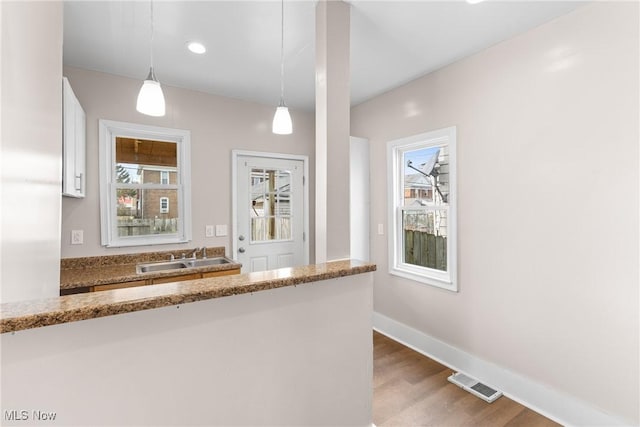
{"x":409,"y":389}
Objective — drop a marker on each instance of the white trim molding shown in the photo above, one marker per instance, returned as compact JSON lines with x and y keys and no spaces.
{"x":396,"y":150}
{"x":553,"y":404}
{"x":108,"y":131}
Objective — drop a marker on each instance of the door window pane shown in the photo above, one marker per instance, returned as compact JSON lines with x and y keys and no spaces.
{"x":270,"y":205}
{"x":282,"y":206}
{"x":270,"y":228}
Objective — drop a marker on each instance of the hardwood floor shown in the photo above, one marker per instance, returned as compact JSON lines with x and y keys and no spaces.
{"x":410,"y":389}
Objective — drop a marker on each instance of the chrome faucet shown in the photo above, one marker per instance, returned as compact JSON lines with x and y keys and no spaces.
{"x":204,"y":252}
{"x":195,"y":252}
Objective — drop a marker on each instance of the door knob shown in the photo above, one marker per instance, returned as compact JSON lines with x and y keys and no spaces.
{"x":241,"y":237}
{"x":241,"y":250}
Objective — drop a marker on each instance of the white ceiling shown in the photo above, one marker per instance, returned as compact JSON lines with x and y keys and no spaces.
{"x":392,"y":42}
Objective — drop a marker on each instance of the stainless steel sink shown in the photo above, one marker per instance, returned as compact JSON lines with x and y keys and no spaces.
{"x":160,"y":266}
{"x":180,"y":264}
{"x":203,"y":262}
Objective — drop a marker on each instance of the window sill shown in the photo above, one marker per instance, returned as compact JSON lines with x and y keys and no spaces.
{"x":147,"y":241}
{"x":422,"y":278}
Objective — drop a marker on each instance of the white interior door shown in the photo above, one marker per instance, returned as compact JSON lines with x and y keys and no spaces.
{"x":270,"y":213}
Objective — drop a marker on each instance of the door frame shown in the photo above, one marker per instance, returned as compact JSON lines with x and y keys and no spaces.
{"x":235,"y":154}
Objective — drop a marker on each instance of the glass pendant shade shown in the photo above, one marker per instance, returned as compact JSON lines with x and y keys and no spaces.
{"x":151,"y":98}
{"x":282,"y":121}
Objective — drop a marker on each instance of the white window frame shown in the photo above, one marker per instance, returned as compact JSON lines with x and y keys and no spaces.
{"x":164,"y":201}
{"x":397,"y":266}
{"x":164,"y":177}
{"x":108,"y":132}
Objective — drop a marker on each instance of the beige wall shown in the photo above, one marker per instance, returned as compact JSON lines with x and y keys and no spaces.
{"x":217,"y":126}
{"x":31,"y":150}
{"x":547,"y":127}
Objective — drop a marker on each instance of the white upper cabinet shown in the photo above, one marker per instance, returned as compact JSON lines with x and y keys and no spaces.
{"x":74,"y":144}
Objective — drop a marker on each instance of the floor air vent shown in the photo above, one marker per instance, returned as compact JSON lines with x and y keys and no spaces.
{"x":475,"y":387}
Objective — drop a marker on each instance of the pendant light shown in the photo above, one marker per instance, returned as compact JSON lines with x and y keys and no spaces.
{"x":150,"y":98}
{"x":282,"y":120}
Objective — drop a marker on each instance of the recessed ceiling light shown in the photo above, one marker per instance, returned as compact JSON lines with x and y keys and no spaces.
{"x":196,"y":47}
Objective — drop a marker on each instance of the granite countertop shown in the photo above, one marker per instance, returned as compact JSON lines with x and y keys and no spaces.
{"x":100,"y":270}
{"x":52,"y":311}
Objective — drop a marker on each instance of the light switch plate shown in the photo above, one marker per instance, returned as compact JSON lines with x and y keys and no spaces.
{"x":77,"y":237}
{"x":221,"y":230}
{"x":380,"y":229}
{"x":208,"y":231}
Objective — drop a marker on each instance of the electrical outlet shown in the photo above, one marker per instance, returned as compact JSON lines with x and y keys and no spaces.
{"x":77,"y":237}
{"x":208,"y":231}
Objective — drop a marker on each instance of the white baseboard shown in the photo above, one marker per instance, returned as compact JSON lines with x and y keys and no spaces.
{"x":557,"y":406}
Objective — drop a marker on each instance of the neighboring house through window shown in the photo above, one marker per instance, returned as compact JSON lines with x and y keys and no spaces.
{"x":422,"y":208}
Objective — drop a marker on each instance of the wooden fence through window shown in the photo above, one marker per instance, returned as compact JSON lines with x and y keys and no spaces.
{"x":147,"y":226}
{"x":425,"y":249}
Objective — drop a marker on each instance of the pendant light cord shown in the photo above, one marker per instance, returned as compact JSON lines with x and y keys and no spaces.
{"x":152,"y":31}
{"x":282,"y":52}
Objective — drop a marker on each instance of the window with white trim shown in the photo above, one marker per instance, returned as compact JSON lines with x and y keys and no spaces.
{"x":164,"y":205}
{"x":422,"y":208}
{"x":145,"y":194}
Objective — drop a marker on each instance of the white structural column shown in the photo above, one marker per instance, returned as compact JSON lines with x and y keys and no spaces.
{"x":30,"y":149}
{"x":332,"y":130}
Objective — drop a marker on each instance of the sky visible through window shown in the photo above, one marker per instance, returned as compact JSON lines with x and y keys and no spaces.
{"x":418,"y":158}
{"x":131,"y":173}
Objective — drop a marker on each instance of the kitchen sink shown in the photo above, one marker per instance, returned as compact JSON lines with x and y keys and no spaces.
{"x":180,"y":264}
{"x":203,"y":262}
{"x":160,"y":266}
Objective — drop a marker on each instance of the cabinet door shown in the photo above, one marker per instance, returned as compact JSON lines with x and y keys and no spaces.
{"x":220,"y":273}
{"x":74,"y":140}
{"x":176,"y":278}
{"x":80,"y":150}
{"x":123,"y":285}
{"x":68,"y":139}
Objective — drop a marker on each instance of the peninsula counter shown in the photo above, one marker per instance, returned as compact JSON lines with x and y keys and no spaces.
{"x":282,"y":347}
